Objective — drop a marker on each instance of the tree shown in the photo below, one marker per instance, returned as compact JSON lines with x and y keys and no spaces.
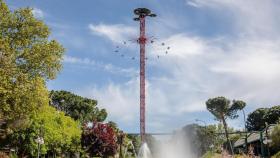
{"x":223,"y":109}
{"x":61,"y":134}
{"x":27,"y":59}
{"x":275,"y":137}
{"x":273,"y":115}
{"x":77,"y":107}
{"x":257,"y":120}
{"x":136,"y":142}
{"x":99,"y":140}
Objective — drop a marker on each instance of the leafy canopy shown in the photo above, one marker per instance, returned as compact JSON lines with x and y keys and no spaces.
{"x":27,"y":59}
{"x":257,"y":119}
{"x":60,"y":133}
{"x":99,"y":140}
{"x":221,"y":107}
{"x":77,"y":107}
{"x":204,"y":138}
{"x":275,"y":137}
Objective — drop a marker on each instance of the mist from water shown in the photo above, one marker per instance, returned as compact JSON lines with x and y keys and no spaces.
{"x":176,"y":147}
{"x":144,"y":151}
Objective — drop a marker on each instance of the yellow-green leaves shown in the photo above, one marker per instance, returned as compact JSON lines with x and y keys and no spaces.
{"x":27,"y":59}
{"x":60,"y":132}
{"x":275,"y":136}
{"x":27,"y":38}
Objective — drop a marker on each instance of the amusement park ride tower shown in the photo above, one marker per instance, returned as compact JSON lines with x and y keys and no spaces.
{"x":141,"y":14}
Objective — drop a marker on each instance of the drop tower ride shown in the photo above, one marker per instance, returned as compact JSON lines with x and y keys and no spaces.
{"x":141,"y":14}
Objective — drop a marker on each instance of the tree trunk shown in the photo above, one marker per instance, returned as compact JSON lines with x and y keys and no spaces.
{"x":227,"y":136}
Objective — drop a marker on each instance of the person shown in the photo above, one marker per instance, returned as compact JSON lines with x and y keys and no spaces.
{"x":251,"y":151}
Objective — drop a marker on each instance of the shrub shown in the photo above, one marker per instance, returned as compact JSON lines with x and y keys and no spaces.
{"x":99,"y":140}
{"x":277,"y":155}
{"x":276,"y":137}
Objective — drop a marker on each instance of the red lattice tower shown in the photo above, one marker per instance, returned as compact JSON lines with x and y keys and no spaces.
{"x":141,"y":14}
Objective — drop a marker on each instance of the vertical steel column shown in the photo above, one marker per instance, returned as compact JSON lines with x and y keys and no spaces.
{"x":141,"y":14}
{"x":142,"y":41}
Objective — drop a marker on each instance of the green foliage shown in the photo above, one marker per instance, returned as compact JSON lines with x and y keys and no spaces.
{"x":27,"y":59}
{"x":275,"y":136}
{"x":204,"y":138}
{"x":60,"y":134}
{"x":273,"y":115}
{"x":257,"y":120}
{"x":77,"y":107}
{"x":113,"y":125}
{"x":211,"y":154}
{"x":20,"y":101}
{"x":277,"y":155}
{"x":221,"y":108}
{"x":136,"y":141}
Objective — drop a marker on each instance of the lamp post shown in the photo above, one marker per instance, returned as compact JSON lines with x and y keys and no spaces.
{"x":39,"y":141}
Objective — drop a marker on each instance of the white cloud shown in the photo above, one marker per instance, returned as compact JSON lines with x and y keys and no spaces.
{"x":260,"y":59}
{"x":193,"y":4}
{"x":113,"y":69}
{"x":116,"y":33}
{"x":247,"y":70}
{"x":181,"y":46}
{"x":38,"y":13}
{"x":75,"y":60}
{"x":251,"y":71}
{"x":197,"y":68}
{"x":250,"y":17}
{"x":120,"y":100}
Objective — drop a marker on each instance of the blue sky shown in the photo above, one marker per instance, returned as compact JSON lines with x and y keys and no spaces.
{"x":218,"y":48}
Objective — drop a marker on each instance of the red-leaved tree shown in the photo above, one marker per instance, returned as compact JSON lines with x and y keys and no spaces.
{"x":99,"y":140}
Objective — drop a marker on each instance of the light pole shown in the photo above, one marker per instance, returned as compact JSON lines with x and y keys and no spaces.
{"x":40,"y":141}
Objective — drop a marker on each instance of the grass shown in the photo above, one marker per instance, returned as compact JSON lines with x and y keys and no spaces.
{"x":277,"y":155}
{"x":211,"y":154}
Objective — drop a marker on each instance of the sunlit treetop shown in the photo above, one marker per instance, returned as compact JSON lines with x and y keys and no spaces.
{"x":27,"y":59}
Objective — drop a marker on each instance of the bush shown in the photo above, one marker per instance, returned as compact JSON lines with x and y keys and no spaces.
{"x":210,"y":154}
{"x":99,"y":140}
{"x":277,"y":155}
{"x":275,"y":137}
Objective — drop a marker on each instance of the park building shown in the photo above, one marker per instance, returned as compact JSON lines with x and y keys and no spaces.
{"x":257,"y":143}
